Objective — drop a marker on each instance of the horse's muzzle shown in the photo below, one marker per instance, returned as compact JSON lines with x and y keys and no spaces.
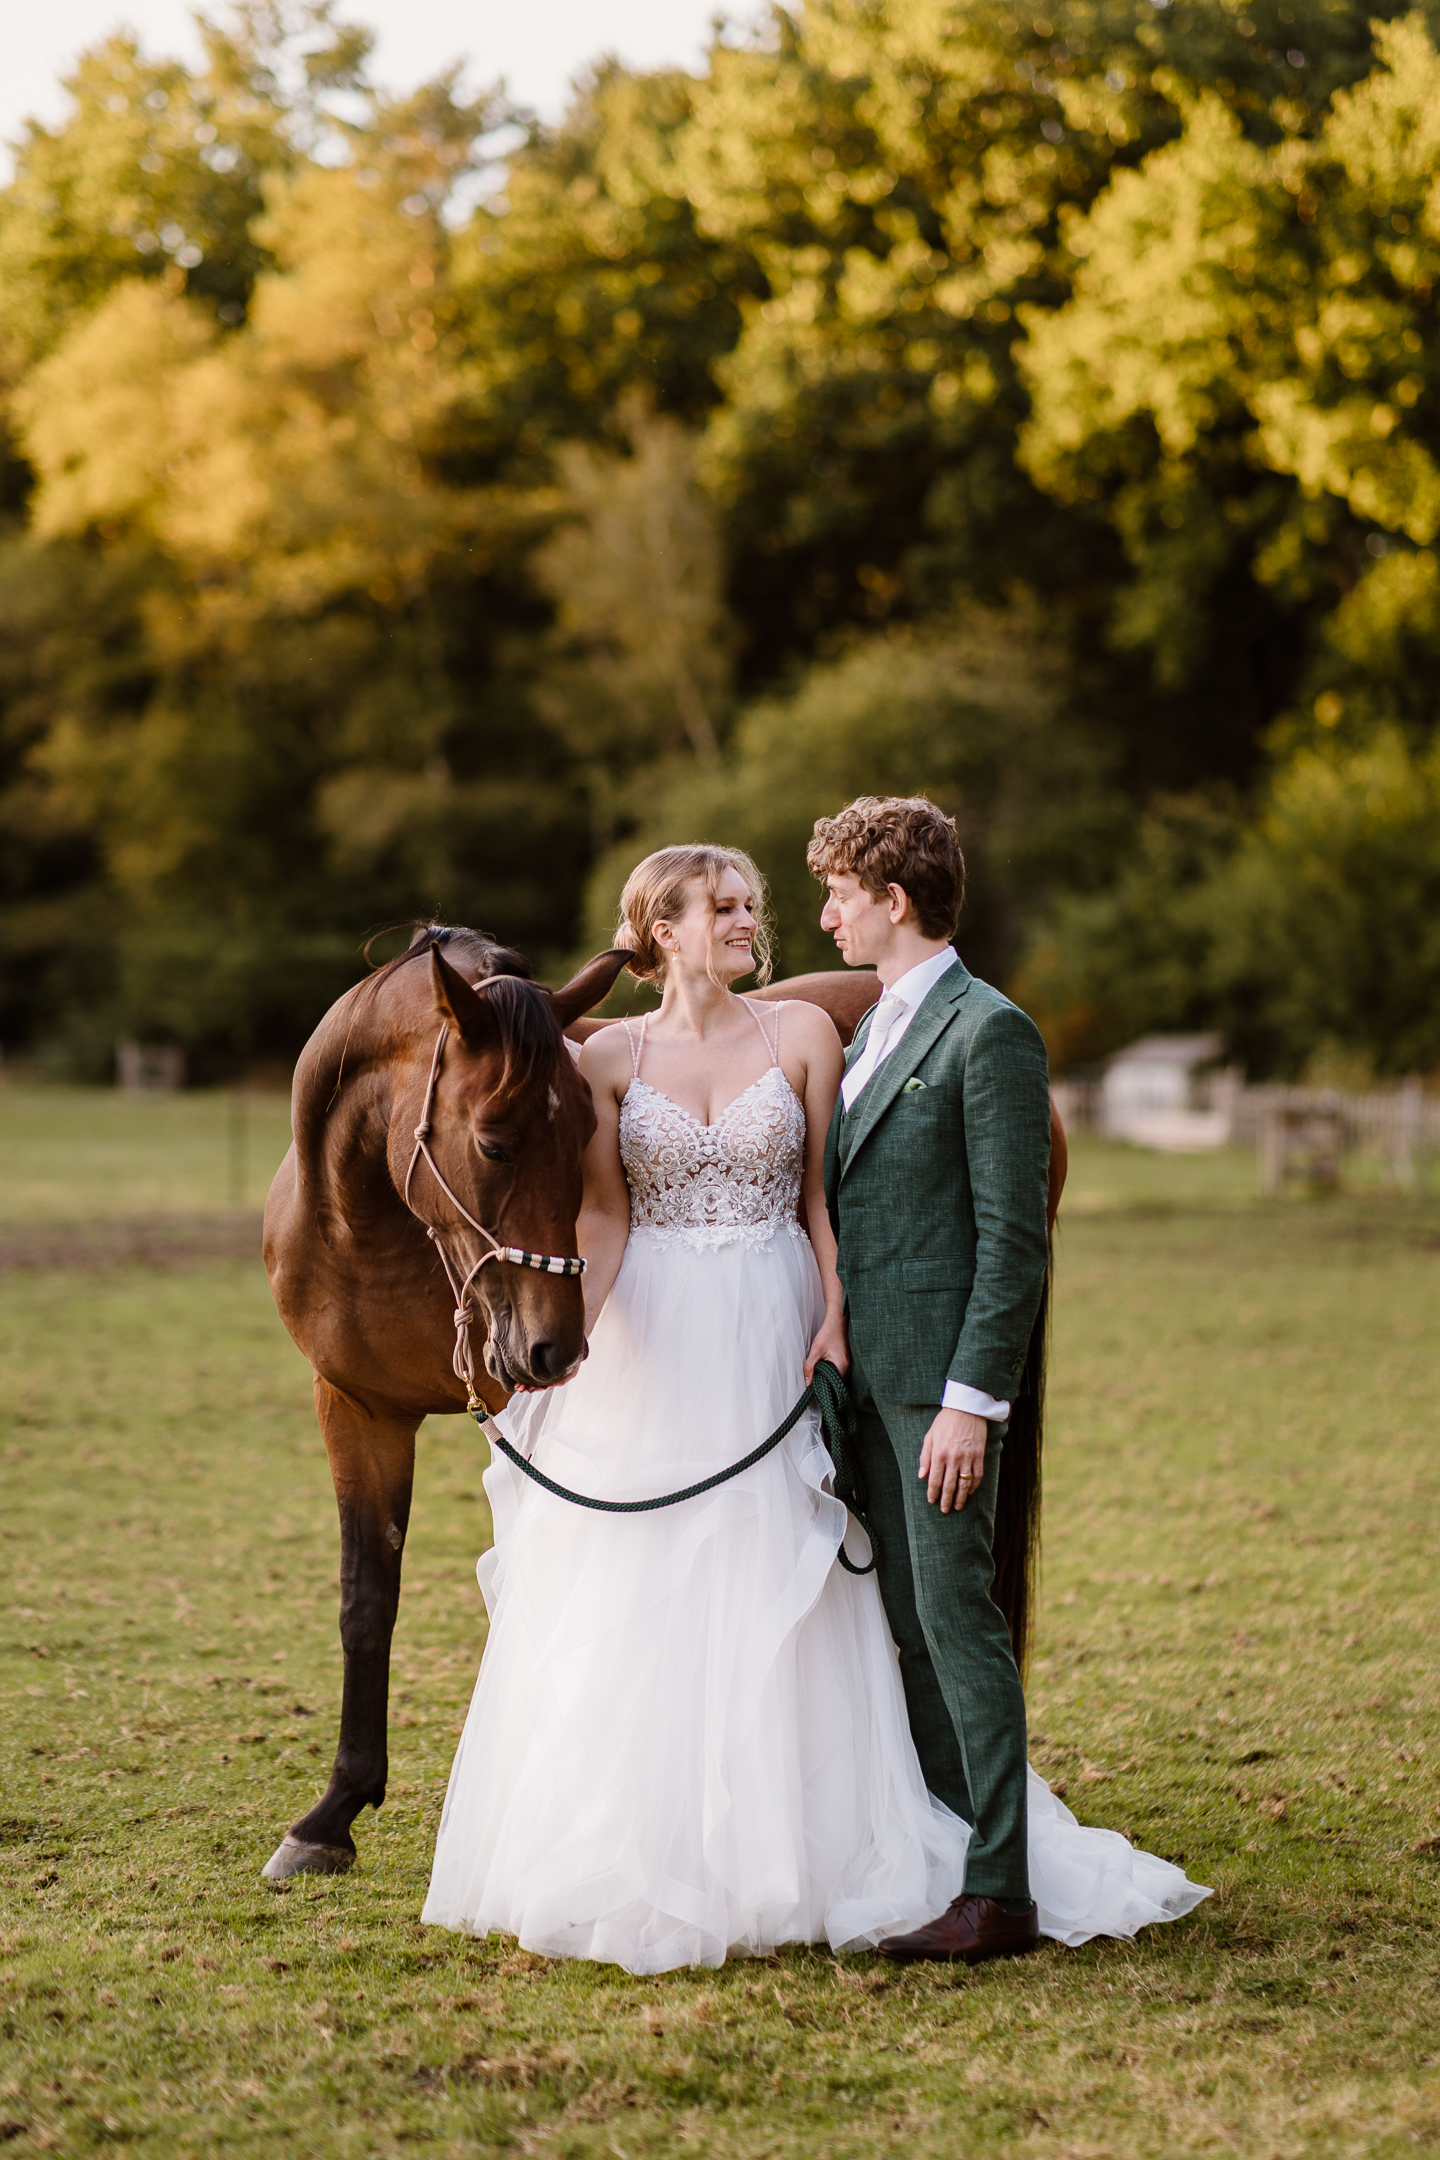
{"x":540,"y":1363}
{"x":551,"y":1362}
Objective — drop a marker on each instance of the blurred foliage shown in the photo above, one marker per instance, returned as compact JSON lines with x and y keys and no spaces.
{"x":641,"y":646}
{"x":1313,"y":941}
{"x":588,"y":278}
{"x":969,"y":711}
{"x":1328,"y":919}
{"x":1135,"y":954}
{"x":1034,"y":407}
{"x":1244,"y":378}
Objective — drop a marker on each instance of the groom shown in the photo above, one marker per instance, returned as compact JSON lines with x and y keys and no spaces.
{"x":936,"y":1170}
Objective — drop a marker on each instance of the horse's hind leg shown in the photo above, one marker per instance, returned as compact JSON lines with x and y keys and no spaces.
{"x":372,"y":1461}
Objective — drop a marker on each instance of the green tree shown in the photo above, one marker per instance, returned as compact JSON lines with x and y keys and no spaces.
{"x":1135,"y":955}
{"x":588,"y":278}
{"x":967,"y":712}
{"x":1032,"y":404}
{"x":157,"y":173}
{"x":297,"y":754}
{"x":1317,"y":922}
{"x":641,"y":647}
{"x":72,"y":642}
{"x":1327,"y":923}
{"x":907,"y":177}
{"x":1240,"y":381}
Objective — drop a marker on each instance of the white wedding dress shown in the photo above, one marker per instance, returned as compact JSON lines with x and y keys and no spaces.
{"x":688,"y":1739}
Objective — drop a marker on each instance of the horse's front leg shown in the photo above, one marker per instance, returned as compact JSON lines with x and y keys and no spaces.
{"x":372,"y":1461}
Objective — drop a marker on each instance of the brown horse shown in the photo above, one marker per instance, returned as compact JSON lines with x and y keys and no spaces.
{"x":476,"y":1062}
{"x":372,"y":1250}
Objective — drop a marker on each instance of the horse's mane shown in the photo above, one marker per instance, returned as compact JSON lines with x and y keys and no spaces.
{"x":529,"y":1032}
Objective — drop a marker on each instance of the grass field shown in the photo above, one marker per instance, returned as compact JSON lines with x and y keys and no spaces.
{"x":71,"y":1155}
{"x":1237,"y":1665}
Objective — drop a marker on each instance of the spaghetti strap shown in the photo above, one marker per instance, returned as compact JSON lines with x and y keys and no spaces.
{"x":773,"y":1048}
{"x":637,"y":1045}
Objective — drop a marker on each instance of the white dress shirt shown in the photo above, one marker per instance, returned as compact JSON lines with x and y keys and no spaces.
{"x":893,"y":1015}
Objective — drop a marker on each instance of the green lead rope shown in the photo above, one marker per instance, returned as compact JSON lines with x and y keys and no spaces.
{"x":827,"y":1392}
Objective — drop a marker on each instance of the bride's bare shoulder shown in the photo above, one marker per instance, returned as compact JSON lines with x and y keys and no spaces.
{"x":809,"y":1027}
{"x":606,"y":1059}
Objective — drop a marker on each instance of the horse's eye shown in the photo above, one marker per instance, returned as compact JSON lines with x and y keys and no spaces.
{"x":492,"y":1151}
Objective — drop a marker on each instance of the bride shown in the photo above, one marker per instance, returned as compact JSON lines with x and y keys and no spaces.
{"x":688,"y":1738}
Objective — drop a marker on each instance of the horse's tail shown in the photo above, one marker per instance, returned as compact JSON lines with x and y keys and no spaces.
{"x":1017,"y":1505}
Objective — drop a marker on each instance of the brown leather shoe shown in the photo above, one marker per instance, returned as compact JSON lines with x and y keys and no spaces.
{"x":970,"y":1930}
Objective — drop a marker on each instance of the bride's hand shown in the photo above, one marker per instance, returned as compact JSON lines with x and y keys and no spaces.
{"x":829,"y":1343}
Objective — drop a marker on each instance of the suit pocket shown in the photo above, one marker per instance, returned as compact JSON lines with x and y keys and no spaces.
{"x":937,"y":1275}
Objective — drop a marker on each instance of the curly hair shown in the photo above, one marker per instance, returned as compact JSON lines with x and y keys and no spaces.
{"x":902,"y":840}
{"x":658,"y":890}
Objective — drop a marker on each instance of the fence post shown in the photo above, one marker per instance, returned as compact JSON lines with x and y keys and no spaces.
{"x":1272,"y":1149}
{"x":1406,"y":1144}
{"x":237,"y":1145}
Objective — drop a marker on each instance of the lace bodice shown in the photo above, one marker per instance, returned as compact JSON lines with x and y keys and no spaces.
{"x":734,"y":1182}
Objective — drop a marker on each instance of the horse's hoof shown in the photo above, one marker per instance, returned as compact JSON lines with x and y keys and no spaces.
{"x":294,"y":1856}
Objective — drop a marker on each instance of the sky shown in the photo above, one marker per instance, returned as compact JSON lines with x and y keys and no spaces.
{"x":537,"y":45}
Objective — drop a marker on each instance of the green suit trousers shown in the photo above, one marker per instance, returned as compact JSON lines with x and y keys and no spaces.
{"x":962,"y":1688}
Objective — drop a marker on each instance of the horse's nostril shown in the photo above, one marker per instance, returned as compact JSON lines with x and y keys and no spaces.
{"x":547,"y":1362}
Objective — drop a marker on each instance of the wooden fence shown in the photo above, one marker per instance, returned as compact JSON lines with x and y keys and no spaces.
{"x":1307,"y":1132}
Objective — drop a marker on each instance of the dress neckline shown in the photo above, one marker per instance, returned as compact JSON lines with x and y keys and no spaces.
{"x":715,"y":1123}
{"x":637,"y":1050}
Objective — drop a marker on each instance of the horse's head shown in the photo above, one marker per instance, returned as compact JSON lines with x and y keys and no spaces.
{"x":508,"y":1124}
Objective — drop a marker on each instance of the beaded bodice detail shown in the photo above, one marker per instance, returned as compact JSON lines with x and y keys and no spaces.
{"x":734,"y":1182}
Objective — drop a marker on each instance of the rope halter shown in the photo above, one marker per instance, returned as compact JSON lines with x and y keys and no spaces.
{"x":460,"y":1285}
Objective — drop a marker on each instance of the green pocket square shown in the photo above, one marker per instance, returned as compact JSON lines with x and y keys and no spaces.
{"x":912,"y":1087}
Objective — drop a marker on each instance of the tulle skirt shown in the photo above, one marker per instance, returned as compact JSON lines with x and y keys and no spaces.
{"x":688,"y":1739}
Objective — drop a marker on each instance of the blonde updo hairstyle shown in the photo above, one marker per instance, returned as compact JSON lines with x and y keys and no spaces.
{"x":659,"y":890}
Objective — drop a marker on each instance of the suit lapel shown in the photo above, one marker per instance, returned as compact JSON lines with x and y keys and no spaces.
{"x":930,"y":1022}
{"x":837,"y":1140}
{"x":861,"y":1036}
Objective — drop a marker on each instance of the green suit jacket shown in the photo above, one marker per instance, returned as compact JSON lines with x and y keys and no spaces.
{"x":937,"y":1183}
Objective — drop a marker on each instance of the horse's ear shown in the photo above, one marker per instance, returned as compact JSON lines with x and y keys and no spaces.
{"x":456,"y":1002}
{"x":595,"y":981}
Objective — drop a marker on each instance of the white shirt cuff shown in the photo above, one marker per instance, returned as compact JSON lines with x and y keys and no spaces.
{"x":958,"y":1397}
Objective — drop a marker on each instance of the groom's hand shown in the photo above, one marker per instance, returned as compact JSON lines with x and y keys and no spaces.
{"x":952,"y":1461}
